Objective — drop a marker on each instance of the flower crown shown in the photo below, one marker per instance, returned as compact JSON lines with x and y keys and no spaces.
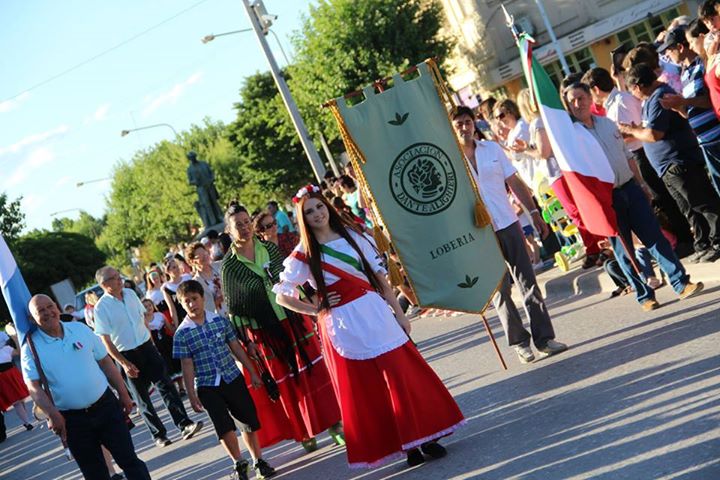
{"x":307,"y":189}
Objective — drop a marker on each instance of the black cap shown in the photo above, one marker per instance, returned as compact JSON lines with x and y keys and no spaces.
{"x":676,"y":36}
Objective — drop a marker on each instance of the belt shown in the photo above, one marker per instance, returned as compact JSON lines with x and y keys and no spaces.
{"x":94,"y":405}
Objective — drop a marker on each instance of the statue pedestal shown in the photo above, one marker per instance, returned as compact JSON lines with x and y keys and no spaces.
{"x":219,"y":228}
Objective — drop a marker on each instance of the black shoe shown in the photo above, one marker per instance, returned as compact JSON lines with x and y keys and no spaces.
{"x":590,"y":261}
{"x":162,"y":442}
{"x":709,"y":255}
{"x":191,"y":429}
{"x":433,"y":450}
{"x":240,"y":470}
{"x":263,"y":470}
{"x":118,"y":476}
{"x":28,"y":427}
{"x":415,"y":457}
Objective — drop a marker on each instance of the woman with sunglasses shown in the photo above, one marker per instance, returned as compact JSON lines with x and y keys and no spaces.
{"x":266,"y":228}
{"x":282,"y":343}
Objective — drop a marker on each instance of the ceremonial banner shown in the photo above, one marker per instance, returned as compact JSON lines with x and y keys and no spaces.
{"x":405,"y":153}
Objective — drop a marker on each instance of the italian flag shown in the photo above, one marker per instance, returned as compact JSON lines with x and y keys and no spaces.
{"x":582,"y":160}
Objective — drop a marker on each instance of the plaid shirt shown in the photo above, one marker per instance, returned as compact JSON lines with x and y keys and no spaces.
{"x":207,"y":346}
{"x":702,"y":120}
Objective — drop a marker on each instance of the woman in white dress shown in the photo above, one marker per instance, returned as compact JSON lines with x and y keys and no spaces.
{"x":392,"y":403}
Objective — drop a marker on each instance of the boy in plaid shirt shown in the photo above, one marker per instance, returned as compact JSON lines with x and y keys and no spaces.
{"x":205,"y":343}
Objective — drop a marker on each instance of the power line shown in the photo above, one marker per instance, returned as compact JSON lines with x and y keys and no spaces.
{"x":103,"y":53}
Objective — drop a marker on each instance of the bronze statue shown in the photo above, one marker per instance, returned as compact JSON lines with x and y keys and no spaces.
{"x":202,"y":177}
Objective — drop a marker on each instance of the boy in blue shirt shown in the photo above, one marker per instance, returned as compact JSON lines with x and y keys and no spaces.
{"x":206,"y":343}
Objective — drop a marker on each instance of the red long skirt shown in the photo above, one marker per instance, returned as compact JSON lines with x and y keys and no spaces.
{"x":390,"y":404}
{"x":307,"y":404}
{"x":12,"y":388}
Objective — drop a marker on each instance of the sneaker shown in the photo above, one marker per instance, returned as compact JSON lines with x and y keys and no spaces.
{"x":617,"y":292}
{"x":524,"y":353}
{"x":263,"y":470}
{"x":118,"y":476}
{"x":28,"y":426}
{"x":691,"y":289}
{"x":162,"y":442}
{"x":654,"y":283}
{"x":413,"y":312}
{"x":309,"y":445}
{"x":433,"y":450}
{"x":240,"y":470}
{"x":189,"y":430}
{"x":552,"y":347}
{"x":415,"y":457}
{"x":649,"y":305}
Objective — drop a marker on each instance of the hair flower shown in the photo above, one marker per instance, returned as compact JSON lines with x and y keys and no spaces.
{"x":306,"y":190}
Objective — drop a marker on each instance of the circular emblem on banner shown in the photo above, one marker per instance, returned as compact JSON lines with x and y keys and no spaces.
{"x":423,"y":180}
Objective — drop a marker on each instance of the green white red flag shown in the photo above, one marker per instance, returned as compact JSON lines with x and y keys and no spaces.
{"x":582,"y":160}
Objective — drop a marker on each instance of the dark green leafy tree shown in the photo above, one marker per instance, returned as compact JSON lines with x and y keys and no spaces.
{"x":347,"y":44}
{"x":272,"y":160}
{"x":86,"y":225}
{"x":12,"y":219}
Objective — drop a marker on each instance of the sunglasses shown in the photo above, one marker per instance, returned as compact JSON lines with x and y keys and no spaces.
{"x":500,"y":116}
{"x":267,"y":226}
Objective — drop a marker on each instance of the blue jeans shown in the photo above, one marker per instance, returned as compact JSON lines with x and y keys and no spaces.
{"x":711,"y":151}
{"x":634,"y":215}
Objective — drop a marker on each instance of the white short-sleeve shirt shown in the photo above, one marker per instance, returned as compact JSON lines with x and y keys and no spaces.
{"x":492,"y":169}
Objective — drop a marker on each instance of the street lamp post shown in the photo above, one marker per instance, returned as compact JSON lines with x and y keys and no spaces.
{"x":212,"y":36}
{"x":64,"y":211}
{"x":85,"y":182}
{"x":254,"y":11}
{"x":124,"y":133}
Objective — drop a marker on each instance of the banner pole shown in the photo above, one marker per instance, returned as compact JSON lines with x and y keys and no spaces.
{"x":492,"y":340}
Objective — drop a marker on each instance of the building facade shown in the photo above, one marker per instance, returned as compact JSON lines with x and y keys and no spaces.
{"x":485,"y":60}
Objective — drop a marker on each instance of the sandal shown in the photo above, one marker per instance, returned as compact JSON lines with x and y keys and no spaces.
{"x":337,"y":435}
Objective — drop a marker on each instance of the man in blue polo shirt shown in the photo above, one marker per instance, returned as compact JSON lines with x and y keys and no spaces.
{"x":672,"y":148}
{"x":120,"y":324}
{"x":83,"y":409}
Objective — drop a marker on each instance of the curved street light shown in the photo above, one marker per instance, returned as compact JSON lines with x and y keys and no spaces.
{"x":124,"y":133}
{"x":85,"y":182}
{"x":64,"y":211}
{"x":209,"y":38}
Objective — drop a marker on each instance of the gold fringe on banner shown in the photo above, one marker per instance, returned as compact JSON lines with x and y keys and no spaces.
{"x":380,"y":239}
{"x":396,"y":277}
{"x":481,"y":216}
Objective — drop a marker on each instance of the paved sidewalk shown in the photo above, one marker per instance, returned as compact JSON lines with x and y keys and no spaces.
{"x":636,"y":397}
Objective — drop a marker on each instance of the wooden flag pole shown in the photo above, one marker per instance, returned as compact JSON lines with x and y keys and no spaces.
{"x":492,"y":340}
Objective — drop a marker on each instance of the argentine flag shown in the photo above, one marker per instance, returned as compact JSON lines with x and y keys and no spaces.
{"x":15,"y":291}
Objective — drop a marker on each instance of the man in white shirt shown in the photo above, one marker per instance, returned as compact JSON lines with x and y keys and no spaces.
{"x":492,"y":171}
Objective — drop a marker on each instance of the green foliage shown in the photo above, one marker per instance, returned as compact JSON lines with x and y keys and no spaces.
{"x":347,"y":44}
{"x":12,"y":219}
{"x":45,"y":258}
{"x":85,"y":225}
{"x":151,"y":201}
{"x":273,"y":162}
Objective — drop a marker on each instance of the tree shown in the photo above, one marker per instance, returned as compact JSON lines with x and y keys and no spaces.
{"x":45,"y":258}
{"x":12,"y":219}
{"x":86,"y":225}
{"x":347,"y":44}
{"x":272,"y":160}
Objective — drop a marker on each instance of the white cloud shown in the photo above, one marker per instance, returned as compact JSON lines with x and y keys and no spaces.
{"x":62,"y":181}
{"x":34,"y":138}
{"x":9,"y":105}
{"x":98,"y":115}
{"x":170,"y":96}
{"x":31,"y":202}
{"x":33,"y":161}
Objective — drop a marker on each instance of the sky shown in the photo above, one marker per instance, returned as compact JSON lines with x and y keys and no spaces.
{"x":58,"y":129}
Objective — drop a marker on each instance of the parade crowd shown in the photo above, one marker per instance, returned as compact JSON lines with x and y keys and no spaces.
{"x":318,"y":315}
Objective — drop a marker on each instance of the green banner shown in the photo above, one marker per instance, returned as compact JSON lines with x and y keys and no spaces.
{"x":404,"y":150}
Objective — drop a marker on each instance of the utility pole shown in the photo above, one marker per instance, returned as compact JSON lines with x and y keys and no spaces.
{"x":261,"y":22}
{"x":553,"y":38}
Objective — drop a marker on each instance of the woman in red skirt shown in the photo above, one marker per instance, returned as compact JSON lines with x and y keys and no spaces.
{"x":392,"y":402}
{"x":12,"y":388}
{"x":283,"y":343}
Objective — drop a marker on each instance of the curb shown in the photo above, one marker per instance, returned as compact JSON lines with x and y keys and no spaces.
{"x":556,"y":283}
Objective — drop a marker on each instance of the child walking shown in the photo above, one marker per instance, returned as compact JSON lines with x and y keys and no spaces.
{"x":392,"y":403}
{"x":205,"y":343}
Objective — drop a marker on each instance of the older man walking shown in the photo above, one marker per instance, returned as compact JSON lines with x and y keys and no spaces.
{"x":120,"y":325}
{"x":84,"y":410}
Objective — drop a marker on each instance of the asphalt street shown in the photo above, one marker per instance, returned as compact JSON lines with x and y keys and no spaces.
{"x":636,"y":397}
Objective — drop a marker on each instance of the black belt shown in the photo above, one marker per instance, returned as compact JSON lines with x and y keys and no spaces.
{"x":100,"y":400}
